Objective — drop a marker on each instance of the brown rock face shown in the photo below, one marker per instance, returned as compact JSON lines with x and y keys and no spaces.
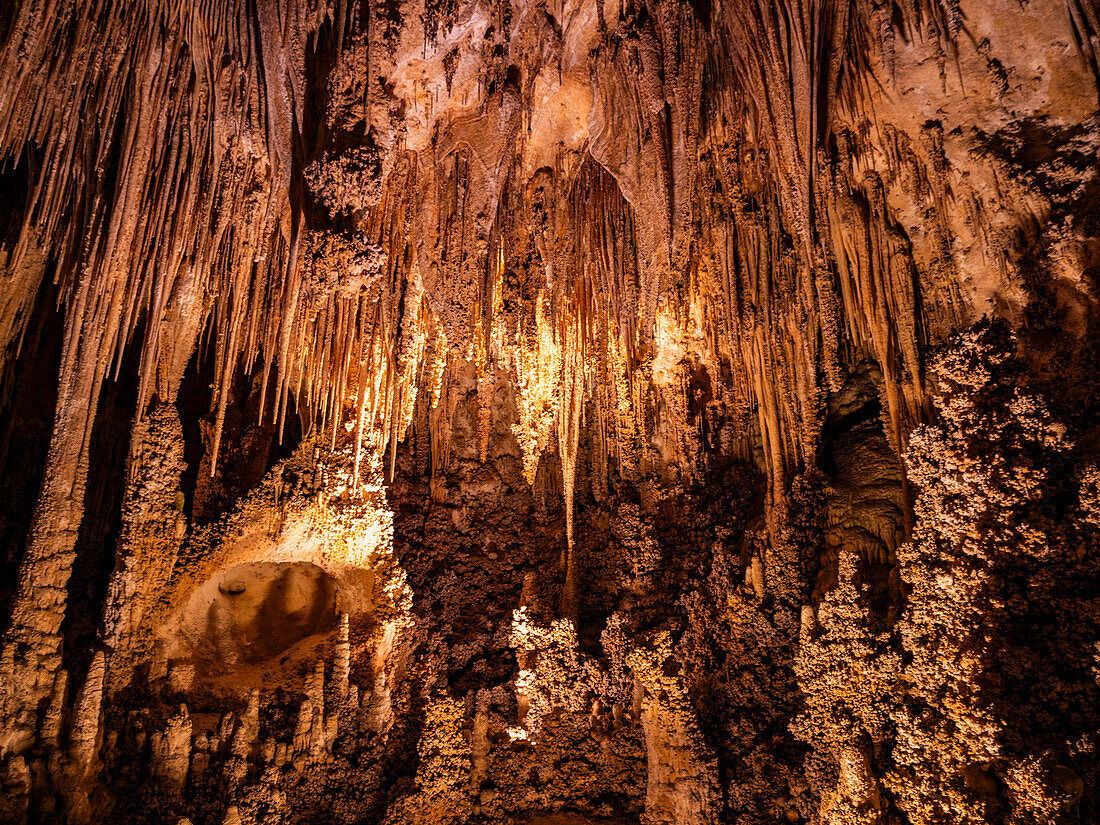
{"x":550,"y":412}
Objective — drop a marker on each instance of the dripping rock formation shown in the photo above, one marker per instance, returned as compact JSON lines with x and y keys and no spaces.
{"x":556,"y":412}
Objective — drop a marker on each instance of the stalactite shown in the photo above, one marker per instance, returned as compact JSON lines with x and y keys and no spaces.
{"x":573,"y":385}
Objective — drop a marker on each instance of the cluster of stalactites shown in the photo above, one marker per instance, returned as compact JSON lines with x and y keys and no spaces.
{"x":158,"y":141}
{"x":772,"y":316}
{"x":189,"y":216}
{"x":169,"y":211}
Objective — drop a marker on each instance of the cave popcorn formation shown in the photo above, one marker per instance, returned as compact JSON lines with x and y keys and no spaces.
{"x":561,"y":412}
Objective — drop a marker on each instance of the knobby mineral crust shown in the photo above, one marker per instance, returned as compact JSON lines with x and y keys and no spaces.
{"x":550,"y":412}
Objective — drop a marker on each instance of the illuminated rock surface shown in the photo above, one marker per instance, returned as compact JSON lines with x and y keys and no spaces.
{"x":610,"y":411}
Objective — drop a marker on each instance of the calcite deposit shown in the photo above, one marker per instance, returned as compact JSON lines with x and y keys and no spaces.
{"x":560,"y":412}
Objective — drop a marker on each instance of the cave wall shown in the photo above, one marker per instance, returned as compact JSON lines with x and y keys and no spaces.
{"x":598,"y":411}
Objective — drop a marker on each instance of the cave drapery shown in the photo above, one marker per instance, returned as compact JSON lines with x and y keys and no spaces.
{"x":550,"y":411}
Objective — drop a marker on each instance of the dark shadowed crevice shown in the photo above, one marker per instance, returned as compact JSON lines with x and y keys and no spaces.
{"x":250,"y":446}
{"x":26,"y":423}
{"x":193,"y":403}
{"x":99,"y":529}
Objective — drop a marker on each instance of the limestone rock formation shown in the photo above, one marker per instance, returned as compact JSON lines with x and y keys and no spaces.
{"x":550,"y":411}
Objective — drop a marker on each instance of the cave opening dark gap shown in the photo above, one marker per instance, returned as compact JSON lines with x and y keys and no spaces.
{"x":856,"y":403}
{"x":863,"y":472}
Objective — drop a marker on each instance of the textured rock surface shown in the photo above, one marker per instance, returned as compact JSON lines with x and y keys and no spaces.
{"x":573,"y":411}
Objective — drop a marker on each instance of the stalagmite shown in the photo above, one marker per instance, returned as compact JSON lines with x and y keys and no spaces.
{"x":807,"y":623}
{"x":172,"y":753}
{"x":756,"y":577}
{"x":85,"y":730}
{"x":302,"y":732}
{"x":342,"y":664}
{"x":246,"y":736}
{"x":54,"y":719}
